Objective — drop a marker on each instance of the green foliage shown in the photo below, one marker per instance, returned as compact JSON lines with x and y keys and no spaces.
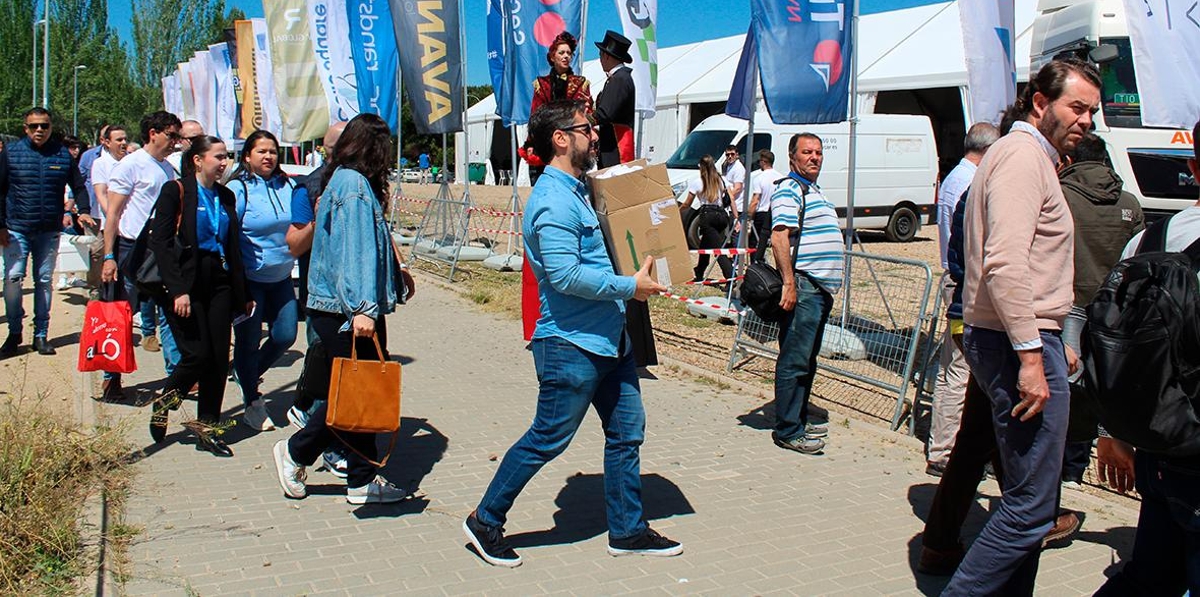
{"x":415,"y":143}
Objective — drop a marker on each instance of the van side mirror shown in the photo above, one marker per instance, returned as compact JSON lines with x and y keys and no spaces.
{"x":1104,"y":53}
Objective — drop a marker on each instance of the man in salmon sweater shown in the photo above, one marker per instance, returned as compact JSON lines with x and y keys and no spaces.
{"x":1017,"y":292}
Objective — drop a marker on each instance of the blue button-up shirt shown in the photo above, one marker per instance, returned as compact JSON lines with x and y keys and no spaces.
{"x":582,"y":297}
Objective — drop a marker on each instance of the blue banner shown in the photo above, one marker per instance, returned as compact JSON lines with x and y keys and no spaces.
{"x":529,"y":29}
{"x":373,"y":46}
{"x":495,"y":46}
{"x":804,"y":50}
{"x":741,"y":94}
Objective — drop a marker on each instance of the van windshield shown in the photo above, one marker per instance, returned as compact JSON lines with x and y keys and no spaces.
{"x":1120,"y":98}
{"x":697,"y":145}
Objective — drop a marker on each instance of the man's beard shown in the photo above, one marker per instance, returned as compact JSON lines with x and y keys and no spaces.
{"x":1049,"y":128}
{"x":583,"y":160}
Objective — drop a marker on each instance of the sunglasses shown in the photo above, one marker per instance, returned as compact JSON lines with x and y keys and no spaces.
{"x":578,"y":128}
{"x":37,"y":126}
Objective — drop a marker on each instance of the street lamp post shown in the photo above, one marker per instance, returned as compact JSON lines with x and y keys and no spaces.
{"x":75,"y":118}
{"x":33,"y":53}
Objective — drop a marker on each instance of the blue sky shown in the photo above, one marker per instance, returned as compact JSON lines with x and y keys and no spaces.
{"x":679,"y":22}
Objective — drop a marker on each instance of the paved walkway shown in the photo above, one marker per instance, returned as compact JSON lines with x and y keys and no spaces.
{"x":754,"y":519}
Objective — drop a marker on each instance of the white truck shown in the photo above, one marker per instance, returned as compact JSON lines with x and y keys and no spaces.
{"x":1151,"y":161}
{"x":896,"y":185}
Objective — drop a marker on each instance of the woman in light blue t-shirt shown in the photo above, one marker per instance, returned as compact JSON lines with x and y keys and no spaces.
{"x":264,"y":207}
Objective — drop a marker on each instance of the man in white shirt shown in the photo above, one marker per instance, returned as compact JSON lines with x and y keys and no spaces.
{"x":133,"y":188}
{"x":733,"y":172}
{"x":951,"y":388}
{"x":762,"y":186}
{"x":189,"y":130}
{"x":114,"y":144}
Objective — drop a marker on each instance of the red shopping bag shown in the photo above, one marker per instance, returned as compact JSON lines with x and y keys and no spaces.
{"x":106,"y":343}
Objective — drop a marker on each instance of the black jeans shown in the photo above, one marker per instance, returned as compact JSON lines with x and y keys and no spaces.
{"x":203,"y":337}
{"x":308,"y":443}
{"x":762,"y":228}
{"x":714,"y":223}
{"x":974,"y":447}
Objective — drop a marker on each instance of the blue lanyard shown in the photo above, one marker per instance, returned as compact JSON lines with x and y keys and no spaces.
{"x":214,"y":216}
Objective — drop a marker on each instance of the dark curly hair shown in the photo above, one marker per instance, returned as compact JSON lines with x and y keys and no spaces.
{"x":365,"y":147}
{"x":562,"y":38}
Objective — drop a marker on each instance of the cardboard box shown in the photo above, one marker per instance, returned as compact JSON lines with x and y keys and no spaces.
{"x":640,"y":217}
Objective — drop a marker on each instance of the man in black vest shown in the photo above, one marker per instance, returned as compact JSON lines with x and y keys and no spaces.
{"x":615,"y":104}
{"x":34,"y":174}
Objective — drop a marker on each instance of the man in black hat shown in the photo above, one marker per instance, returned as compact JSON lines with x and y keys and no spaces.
{"x":615,"y":104}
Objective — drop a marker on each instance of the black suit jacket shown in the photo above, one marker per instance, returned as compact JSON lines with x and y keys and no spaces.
{"x":614,"y":105}
{"x":179,"y":275}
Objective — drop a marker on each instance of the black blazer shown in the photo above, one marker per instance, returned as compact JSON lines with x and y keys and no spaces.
{"x":179,"y":275}
{"x":614,"y":105}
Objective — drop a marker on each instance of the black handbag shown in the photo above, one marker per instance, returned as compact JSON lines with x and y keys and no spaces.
{"x":147,"y":278}
{"x":762,"y":285}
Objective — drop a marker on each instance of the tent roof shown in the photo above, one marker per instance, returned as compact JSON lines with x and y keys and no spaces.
{"x":912,"y":48}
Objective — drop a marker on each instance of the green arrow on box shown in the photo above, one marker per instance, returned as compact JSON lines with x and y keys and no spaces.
{"x":632,"y":249}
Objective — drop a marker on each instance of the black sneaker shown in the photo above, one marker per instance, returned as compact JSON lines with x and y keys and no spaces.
{"x":649,"y":543}
{"x":490,"y":544}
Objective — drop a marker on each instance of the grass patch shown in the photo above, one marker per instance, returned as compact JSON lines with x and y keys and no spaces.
{"x":49,"y":466}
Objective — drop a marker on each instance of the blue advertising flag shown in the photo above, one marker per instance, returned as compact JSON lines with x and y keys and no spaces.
{"x":495,"y":46}
{"x":804,"y":50}
{"x":741,"y":94}
{"x":530,"y":28}
{"x":373,"y":47}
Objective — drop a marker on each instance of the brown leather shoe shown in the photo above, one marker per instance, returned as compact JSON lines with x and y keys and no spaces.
{"x":1064,"y":529}
{"x":936,"y":562}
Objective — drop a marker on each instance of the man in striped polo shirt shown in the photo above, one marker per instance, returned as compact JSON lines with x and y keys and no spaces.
{"x":800,"y":210}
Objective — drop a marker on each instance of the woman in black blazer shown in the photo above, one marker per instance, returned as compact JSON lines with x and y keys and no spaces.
{"x":194,"y":237}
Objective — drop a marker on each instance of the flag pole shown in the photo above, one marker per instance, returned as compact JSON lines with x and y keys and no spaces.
{"x":850,"y":183}
{"x":582,"y":35}
{"x":743,"y":235}
{"x":399,"y":113}
{"x":462,"y":52}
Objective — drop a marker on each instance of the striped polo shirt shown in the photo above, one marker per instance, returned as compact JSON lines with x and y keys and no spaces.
{"x":820,"y":254}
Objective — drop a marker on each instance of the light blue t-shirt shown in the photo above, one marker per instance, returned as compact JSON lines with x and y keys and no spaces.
{"x":265,"y":210}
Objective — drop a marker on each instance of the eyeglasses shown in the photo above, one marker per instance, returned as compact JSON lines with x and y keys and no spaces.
{"x":584,"y":127}
{"x":37,"y":126}
{"x":731,"y":155}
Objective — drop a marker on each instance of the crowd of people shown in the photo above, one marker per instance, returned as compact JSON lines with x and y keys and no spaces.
{"x":1031,"y":222}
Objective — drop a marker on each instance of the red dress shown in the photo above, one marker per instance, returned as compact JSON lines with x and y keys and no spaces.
{"x":576,"y":88}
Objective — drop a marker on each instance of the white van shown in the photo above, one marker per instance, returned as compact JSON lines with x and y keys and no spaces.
{"x":896,"y":187}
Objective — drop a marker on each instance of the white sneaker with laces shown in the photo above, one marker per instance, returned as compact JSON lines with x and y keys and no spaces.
{"x":291,"y":475}
{"x":256,"y":416}
{"x":297,"y":417}
{"x":378,"y":491}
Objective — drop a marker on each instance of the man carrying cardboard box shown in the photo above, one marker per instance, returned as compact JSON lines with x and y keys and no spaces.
{"x":581,"y":351}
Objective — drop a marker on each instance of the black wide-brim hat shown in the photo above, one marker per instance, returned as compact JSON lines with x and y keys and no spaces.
{"x":616,"y":45}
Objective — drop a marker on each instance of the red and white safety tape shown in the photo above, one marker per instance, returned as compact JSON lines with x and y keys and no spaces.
{"x":492,"y":212}
{"x":712,"y":282}
{"x":493,"y":231}
{"x":700,"y":303}
{"x":722,"y":252}
{"x":408,"y":200}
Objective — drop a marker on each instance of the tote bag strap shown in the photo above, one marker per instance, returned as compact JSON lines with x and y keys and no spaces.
{"x":395,"y":434}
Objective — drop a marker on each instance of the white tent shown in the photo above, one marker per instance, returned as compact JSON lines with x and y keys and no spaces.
{"x":912,"y":49}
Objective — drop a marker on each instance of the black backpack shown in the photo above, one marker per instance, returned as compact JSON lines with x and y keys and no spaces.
{"x":762,"y":285}
{"x":1141,"y":348}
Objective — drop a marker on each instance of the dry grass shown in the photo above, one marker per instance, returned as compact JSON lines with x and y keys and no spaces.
{"x":49,"y":466}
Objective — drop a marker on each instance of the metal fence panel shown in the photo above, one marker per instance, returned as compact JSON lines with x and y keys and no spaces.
{"x":874,"y":332}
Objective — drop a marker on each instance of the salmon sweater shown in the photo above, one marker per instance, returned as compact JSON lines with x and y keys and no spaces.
{"x":1019,"y":242}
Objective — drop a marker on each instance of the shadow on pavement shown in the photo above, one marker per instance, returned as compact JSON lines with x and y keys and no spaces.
{"x":759,"y":419}
{"x":581,"y":509}
{"x":920,"y":497}
{"x":1119,"y":539}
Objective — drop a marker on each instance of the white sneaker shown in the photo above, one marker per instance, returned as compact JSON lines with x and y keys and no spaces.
{"x":77,"y":282}
{"x":62,"y":283}
{"x":256,"y":417}
{"x":335,"y":463}
{"x":297,"y":417}
{"x":379,"y":491}
{"x":291,"y":475}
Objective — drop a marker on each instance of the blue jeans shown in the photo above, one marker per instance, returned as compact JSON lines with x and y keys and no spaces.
{"x":1166,"y":549}
{"x":275,"y":303}
{"x":800,"y":334}
{"x":1004,"y":558}
{"x":570,"y":379}
{"x":43,"y":246}
{"x":156,"y":317}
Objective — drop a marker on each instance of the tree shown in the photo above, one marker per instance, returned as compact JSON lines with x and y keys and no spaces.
{"x":166,"y":32}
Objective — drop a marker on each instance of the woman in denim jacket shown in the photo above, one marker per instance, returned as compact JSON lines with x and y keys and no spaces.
{"x":264,"y":207}
{"x":354,"y":280}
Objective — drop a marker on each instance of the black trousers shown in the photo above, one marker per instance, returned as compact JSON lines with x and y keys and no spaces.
{"x":974,"y":447}
{"x":762,"y":228}
{"x":203,"y":337}
{"x":316,"y":437}
{"x":714,"y":223}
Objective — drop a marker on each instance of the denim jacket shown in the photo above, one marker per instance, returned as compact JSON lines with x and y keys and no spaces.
{"x":354,"y":269}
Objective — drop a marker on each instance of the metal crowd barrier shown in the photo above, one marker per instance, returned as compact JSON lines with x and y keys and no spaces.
{"x":874,"y":333}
